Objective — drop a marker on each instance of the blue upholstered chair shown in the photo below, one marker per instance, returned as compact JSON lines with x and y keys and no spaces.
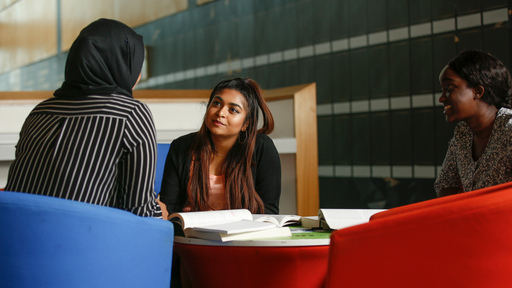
{"x":163,"y":150}
{"x":53,"y":242}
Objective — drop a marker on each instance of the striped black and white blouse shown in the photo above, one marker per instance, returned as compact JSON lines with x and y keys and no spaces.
{"x":94,"y":149}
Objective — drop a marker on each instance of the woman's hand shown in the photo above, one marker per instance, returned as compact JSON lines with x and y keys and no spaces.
{"x":165,"y":213}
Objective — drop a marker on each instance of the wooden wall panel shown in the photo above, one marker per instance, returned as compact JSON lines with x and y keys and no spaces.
{"x":5,"y":3}
{"x":28,"y":28}
{"x":28,"y":32}
{"x":77,"y":14}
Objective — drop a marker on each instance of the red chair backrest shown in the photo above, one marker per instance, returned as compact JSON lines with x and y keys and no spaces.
{"x":438,"y":201}
{"x":463,"y":243}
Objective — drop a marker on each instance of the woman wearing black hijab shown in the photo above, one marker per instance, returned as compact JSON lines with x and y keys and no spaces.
{"x":93,"y":142}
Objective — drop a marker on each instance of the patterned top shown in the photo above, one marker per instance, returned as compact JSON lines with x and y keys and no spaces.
{"x":94,"y":149}
{"x":492,"y":168}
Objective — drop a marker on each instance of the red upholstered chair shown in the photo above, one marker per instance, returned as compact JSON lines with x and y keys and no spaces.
{"x":434,"y":202}
{"x":460,"y":241}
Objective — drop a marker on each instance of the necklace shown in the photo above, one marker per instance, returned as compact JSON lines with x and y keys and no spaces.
{"x":217,"y":154}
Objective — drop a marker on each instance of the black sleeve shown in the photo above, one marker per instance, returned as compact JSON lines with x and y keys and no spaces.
{"x":267,"y":176}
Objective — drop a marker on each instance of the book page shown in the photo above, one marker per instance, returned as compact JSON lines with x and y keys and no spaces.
{"x":310,"y":221}
{"x":279,"y":220}
{"x":341,"y":218}
{"x":204,"y":218}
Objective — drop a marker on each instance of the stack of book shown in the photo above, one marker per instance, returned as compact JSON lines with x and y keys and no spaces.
{"x":236,"y":224}
{"x":241,"y":224}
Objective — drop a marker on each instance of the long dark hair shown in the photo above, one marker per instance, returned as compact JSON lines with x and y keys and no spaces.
{"x":239,"y":184}
{"x":481,"y":68}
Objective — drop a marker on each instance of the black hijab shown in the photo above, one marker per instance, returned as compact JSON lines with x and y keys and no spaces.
{"x":106,"y":58}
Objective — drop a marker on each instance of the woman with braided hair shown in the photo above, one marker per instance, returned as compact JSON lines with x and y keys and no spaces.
{"x":476,"y":92}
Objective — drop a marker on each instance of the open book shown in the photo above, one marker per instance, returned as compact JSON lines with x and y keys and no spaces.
{"x":227,"y":225}
{"x":279,"y":220}
{"x":342,"y":218}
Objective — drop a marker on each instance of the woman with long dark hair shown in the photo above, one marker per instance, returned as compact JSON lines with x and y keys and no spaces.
{"x":229,"y":163}
{"x":477,"y":93}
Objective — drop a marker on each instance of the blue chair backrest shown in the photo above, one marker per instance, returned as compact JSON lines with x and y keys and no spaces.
{"x":163,"y":150}
{"x":52,"y":242}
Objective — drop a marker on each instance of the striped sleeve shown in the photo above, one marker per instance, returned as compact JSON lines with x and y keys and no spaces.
{"x":138,"y":171}
{"x":99,"y":150}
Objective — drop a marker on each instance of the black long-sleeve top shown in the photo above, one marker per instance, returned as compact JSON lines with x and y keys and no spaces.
{"x":266,"y":173}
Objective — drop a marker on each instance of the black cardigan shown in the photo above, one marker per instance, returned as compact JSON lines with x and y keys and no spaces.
{"x":266,"y":173}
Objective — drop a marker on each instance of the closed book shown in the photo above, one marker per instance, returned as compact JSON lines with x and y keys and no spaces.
{"x":217,"y":236}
